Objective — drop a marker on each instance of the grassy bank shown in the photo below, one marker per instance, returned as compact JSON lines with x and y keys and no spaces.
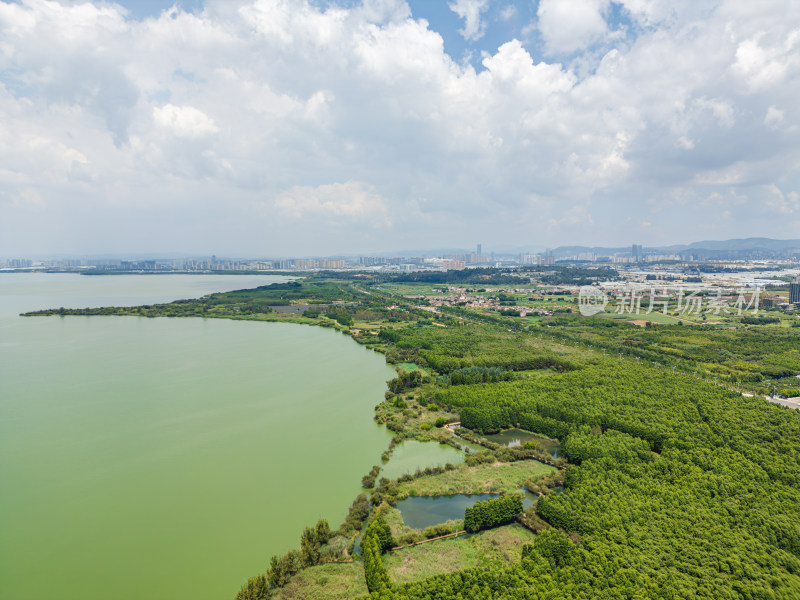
{"x":325,"y":582}
{"x":495,"y":548}
{"x":500,"y":478}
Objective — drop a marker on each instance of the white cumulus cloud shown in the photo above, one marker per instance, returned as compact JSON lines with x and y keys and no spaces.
{"x":185,"y":121}
{"x":352,"y":200}
{"x":275,"y":125}
{"x":470,"y":11}
{"x":571,"y":26}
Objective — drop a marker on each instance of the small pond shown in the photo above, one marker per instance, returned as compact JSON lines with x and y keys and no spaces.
{"x":411,"y":455}
{"x":517,"y":437}
{"x":420,"y":512}
{"x":466,"y":445}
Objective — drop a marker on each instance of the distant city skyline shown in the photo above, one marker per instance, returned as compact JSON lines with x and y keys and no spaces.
{"x":332,"y":127}
{"x":455,"y":258}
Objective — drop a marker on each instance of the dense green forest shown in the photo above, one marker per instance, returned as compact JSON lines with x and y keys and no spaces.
{"x":551,"y":275}
{"x":491,"y":513}
{"x":677,"y":489}
{"x":747,"y":355}
{"x":484,"y":276}
{"x":245,"y":302}
{"x":563,"y":275}
{"x":450,"y":350}
{"x":471,"y":375}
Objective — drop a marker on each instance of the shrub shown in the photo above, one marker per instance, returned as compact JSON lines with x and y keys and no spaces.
{"x":550,"y":544}
{"x":395,"y":426}
{"x":384,"y":533}
{"x":359,"y":511}
{"x":368,"y":481}
{"x":257,"y":588}
{"x":439,"y":530}
{"x":342,"y":319}
{"x":409,"y":538}
{"x":491,"y":513}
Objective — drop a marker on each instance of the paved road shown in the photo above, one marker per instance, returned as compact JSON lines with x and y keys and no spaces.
{"x":790,"y":402}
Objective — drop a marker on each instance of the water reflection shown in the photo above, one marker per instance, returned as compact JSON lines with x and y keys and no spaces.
{"x":410,"y":455}
{"x":517,"y":437}
{"x":419,"y":512}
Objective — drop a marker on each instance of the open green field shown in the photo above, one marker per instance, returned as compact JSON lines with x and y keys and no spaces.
{"x":494,"y":548}
{"x":503,"y":478}
{"x":655,"y":317}
{"x":335,"y":581}
{"x":408,"y":366}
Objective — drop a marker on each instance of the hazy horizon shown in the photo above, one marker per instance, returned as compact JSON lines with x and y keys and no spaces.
{"x":426,"y":252}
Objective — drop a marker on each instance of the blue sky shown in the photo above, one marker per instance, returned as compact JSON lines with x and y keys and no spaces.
{"x":501,"y":20}
{"x":282,"y":127}
{"x":141,"y":9}
{"x":442,"y":18}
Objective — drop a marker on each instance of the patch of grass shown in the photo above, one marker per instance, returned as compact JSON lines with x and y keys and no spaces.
{"x":494,"y":548}
{"x":495,"y":478}
{"x":335,"y":581}
{"x":408,"y":366}
{"x":415,"y":415}
{"x":394,"y":519}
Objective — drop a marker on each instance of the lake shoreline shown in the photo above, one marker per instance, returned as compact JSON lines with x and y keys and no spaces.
{"x":414,"y":422}
{"x":113,"y":332}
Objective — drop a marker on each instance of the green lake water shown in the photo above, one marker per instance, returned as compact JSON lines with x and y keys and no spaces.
{"x":410,"y":455}
{"x":168,"y":458}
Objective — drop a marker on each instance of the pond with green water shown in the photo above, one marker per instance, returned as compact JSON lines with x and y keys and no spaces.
{"x":410,"y":456}
{"x":420,"y":512}
{"x":518,"y":437}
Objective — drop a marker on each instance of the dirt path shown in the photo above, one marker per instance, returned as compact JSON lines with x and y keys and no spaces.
{"x":790,"y":402}
{"x":441,"y":537}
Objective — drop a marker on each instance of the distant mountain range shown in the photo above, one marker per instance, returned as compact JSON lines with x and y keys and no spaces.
{"x":735,"y":248}
{"x":708,"y":249}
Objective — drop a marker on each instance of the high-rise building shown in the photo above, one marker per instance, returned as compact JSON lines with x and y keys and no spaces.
{"x":369,"y":261}
{"x":449,"y":263}
{"x":530,"y":259}
{"x":304,"y":263}
{"x":331,"y":264}
{"x":794,"y":291}
{"x":479,"y":250}
{"x":636,"y":252}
